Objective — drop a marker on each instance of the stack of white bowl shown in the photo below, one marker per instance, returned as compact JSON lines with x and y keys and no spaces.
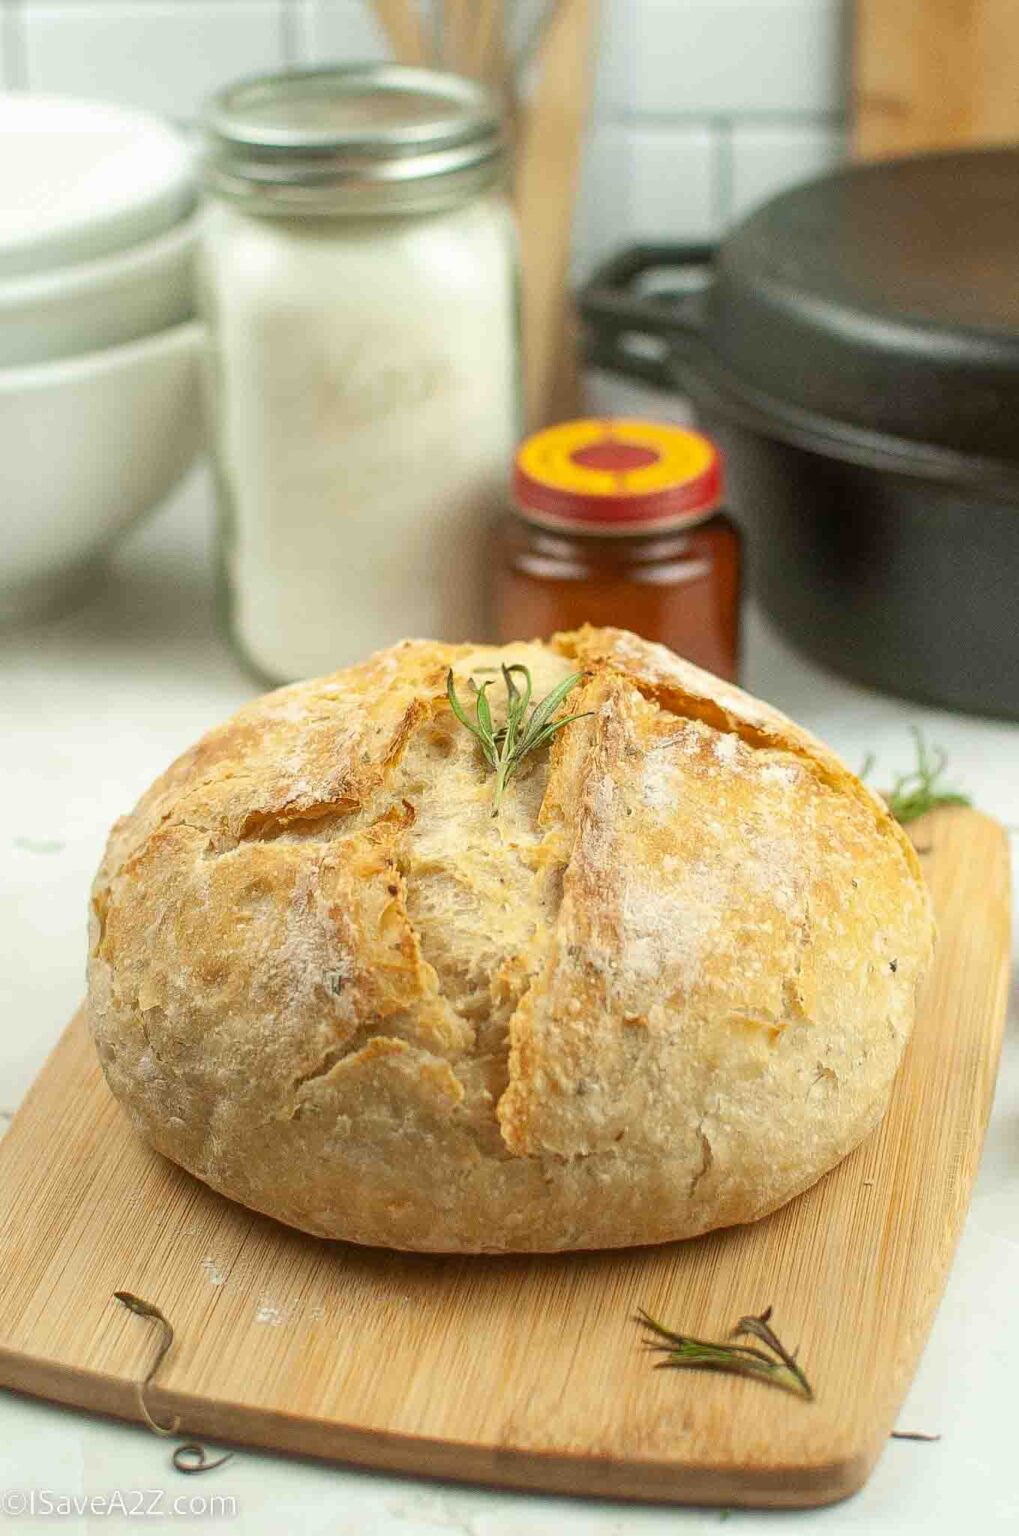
{"x":99,"y":351}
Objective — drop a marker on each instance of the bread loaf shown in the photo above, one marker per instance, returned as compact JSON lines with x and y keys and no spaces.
{"x":664,"y":990}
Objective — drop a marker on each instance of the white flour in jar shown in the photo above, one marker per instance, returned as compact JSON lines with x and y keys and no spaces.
{"x":366,"y":387}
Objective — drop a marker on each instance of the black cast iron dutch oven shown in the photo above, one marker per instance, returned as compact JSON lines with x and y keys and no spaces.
{"x":854,"y":348}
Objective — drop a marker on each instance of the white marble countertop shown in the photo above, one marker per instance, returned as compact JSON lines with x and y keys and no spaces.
{"x":92,"y":706}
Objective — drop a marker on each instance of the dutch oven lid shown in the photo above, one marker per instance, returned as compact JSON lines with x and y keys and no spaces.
{"x":885,"y":296}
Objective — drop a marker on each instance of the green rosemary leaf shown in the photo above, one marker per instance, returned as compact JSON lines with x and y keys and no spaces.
{"x":548,"y":731}
{"x":694,"y":1354}
{"x":458,"y":709}
{"x":516,"y":708}
{"x":680,"y":1341}
{"x":544,"y":711}
{"x":477,"y":727}
{"x":514,"y":693}
{"x":483,"y":711}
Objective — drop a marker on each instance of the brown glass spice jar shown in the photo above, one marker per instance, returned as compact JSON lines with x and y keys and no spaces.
{"x":617,"y":522}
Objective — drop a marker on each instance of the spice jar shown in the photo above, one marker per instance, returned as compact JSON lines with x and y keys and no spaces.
{"x":618,"y":523}
{"x":358,"y":273}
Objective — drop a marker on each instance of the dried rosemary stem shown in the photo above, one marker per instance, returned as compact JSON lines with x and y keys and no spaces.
{"x":777,"y":1367}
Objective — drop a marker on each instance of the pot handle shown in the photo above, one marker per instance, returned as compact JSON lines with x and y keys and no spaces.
{"x":640,"y":333}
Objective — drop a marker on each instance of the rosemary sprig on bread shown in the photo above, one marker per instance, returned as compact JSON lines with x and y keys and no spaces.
{"x":504,"y":747}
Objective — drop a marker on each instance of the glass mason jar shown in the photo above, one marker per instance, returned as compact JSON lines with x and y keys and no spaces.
{"x":358,"y":274}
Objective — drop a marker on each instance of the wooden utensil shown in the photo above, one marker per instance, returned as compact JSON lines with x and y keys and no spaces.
{"x":402,"y":24}
{"x":457,"y":20}
{"x":934,"y":74}
{"x":524,"y":1371}
{"x":548,"y":170}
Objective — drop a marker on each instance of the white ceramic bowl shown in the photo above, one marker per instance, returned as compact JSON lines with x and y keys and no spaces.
{"x":100,"y":303}
{"x":80,"y":179}
{"x":87,"y":445}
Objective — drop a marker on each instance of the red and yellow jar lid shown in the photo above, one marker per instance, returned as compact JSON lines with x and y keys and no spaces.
{"x":612,"y":476}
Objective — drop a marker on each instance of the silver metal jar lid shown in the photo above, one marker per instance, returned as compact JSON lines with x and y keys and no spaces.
{"x":359,"y":139}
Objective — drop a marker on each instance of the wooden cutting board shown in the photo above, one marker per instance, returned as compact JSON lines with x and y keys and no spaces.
{"x":934,"y":74}
{"x":522,"y":1371}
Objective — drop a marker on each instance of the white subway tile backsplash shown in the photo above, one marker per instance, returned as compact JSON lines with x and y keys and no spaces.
{"x":671,"y":181}
{"x":601,"y":213}
{"x":166,"y":57}
{"x":344,"y":31}
{"x":766,"y":159}
{"x":649,"y":183}
{"x":12,"y":64}
{"x":702,"y":108}
{"x":716,"y":57}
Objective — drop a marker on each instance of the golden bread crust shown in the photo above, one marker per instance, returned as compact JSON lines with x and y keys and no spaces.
{"x":665,"y":990}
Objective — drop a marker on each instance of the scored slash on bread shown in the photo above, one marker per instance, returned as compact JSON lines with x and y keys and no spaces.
{"x":665,"y":990}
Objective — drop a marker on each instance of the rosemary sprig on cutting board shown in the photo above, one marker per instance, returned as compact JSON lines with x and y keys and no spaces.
{"x":777,"y":1367}
{"x":920,"y":790}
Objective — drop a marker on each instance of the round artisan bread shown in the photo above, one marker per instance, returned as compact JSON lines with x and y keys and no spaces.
{"x":664,"y":990}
